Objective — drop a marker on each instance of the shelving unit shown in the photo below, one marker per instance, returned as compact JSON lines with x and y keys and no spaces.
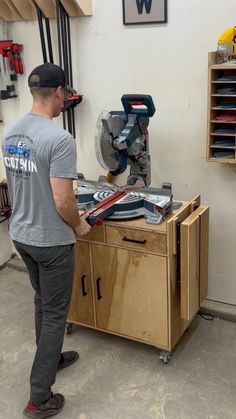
{"x":221,"y":132}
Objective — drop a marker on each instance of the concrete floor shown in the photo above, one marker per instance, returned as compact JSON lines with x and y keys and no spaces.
{"x":117,"y":378}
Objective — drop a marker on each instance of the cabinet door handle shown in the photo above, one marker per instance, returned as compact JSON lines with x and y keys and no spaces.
{"x":99,"y":296}
{"x":126,"y":239}
{"x":83,"y":278}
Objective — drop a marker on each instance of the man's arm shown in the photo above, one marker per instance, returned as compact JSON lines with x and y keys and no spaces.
{"x":65,"y":202}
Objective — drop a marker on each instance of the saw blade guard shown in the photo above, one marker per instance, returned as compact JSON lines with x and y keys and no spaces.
{"x":121,"y":138}
{"x":107,"y":129}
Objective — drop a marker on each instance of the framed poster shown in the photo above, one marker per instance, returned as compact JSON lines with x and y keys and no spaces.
{"x":144,"y":11}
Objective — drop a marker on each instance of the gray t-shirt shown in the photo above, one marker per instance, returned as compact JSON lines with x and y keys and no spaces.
{"x":35,"y":149}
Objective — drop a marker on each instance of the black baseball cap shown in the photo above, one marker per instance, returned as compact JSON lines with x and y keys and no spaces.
{"x":50,"y":75}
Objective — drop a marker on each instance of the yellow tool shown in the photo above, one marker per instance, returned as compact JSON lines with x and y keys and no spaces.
{"x":227,"y":46}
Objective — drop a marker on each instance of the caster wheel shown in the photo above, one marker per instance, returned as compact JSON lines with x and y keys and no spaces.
{"x":165,"y":357}
{"x":69,"y":328}
{"x":166,"y":360}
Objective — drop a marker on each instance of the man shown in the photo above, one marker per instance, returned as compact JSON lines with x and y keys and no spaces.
{"x":40,"y":161}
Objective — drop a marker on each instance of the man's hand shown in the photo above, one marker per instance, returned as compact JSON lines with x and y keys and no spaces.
{"x":83,"y":227}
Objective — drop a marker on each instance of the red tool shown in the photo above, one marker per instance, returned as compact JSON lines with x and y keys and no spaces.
{"x":16,"y":50}
{"x":103,"y":209}
{"x":5,"y":51}
{"x":12,"y":51}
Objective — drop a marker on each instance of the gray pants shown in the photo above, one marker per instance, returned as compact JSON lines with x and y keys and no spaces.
{"x":51,"y":273}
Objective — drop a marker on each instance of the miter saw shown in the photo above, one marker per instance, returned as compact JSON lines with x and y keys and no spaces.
{"x":227,"y":46}
{"x":122,"y":140}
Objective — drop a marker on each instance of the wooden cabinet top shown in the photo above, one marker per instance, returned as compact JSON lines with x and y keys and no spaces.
{"x":141,"y":224}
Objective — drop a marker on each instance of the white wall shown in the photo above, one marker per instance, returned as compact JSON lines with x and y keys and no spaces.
{"x":170,"y":63}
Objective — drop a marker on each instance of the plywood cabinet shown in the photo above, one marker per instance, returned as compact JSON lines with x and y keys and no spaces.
{"x":124,"y":303}
{"x":142,"y":281}
{"x":81,"y":308}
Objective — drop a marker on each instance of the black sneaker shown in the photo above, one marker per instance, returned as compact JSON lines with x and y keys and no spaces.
{"x":50,"y":408}
{"x":67,"y":358}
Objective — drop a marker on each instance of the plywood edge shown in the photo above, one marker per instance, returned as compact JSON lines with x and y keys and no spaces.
{"x":204,"y":251}
{"x":8,"y":12}
{"x":77,"y":7}
{"x":85,"y":7}
{"x":48,"y":8}
{"x":174,"y":323}
{"x":195,"y":202}
{"x":25,"y":8}
{"x":190,"y":267}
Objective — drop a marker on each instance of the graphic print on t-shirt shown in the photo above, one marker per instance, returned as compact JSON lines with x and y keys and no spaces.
{"x":19,"y":156}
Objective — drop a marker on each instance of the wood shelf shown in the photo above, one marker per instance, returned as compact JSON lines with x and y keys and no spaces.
{"x":224,"y":66}
{"x":215,"y":121}
{"x":48,"y":8}
{"x":223,"y":81}
{"x":223,"y":147}
{"x":8,"y":12}
{"x":16,"y":10}
{"x":222,"y":95}
{"x":215,"y":72}
{"x":25,"y":8}
{"x":78,"y":7}
{"x":222,"y":134}
{"x":223,"y":109}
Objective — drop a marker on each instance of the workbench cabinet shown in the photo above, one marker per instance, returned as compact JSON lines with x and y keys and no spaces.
{"x":142,"y":281}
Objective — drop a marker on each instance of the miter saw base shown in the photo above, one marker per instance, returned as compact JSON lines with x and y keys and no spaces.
{"x":151,"y":203}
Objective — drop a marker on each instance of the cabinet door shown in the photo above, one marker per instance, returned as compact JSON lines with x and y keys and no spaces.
{"x":81,"y":306}
{"x":194,"y":261}
{"x":131,"y":293}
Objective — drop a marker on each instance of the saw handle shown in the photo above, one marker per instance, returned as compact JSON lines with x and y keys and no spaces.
{"x":126,"y":239}
{"x":141,"y":105}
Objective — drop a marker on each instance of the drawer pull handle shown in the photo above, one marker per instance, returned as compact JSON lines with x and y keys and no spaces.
{"x":99,"y":296}
{"x":126,"y":239}
{"x":83,"y":278}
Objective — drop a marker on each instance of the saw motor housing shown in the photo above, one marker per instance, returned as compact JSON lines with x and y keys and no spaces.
{"x":122,"y":139}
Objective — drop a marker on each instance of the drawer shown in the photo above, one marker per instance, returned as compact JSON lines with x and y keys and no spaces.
{"x":150,"y":241}
{"x":96,"y":234}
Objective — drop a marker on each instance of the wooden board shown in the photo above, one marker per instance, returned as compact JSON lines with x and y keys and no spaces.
{"x":194,"y":262}
{"x":48,"y":8}
{"x":25,"y":8}
{"x":204,"y":250}
{"x":183,"y":213}
{"x":81,"y":306}
{"x":176,"y":327}
{"x":190,"y":265}
{"x":78,"y":7}
{"x":8,"y":12}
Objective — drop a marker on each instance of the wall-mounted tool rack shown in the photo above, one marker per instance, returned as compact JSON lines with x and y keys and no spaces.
{"x":17,"y":10}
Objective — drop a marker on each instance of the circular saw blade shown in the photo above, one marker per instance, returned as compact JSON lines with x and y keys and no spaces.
{"x":108,"y":127}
